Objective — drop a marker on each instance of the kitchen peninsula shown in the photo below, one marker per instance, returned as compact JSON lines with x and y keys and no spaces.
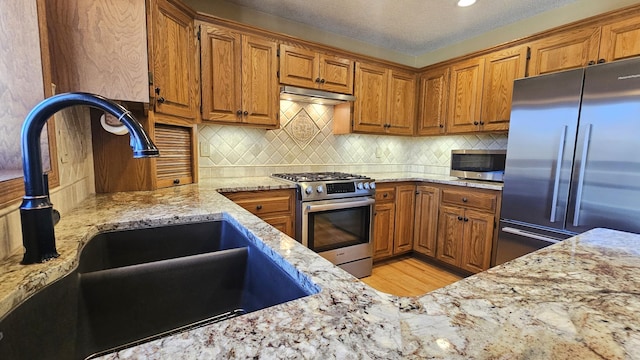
{"x":576,"y":299}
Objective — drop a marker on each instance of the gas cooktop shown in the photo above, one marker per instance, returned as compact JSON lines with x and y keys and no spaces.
{"x":319,"y":176}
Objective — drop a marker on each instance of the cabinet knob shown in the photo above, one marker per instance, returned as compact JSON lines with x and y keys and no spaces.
{"x":464,"y":199}
{"x":441,"y":126}
{"x":591,"y":62}
{"x":385,"y":195}
{"x":259,"y":207}
{"x":466,"y":219}
{"x":239,"y":112}
{"x":157,"y":91}
{"x":321,"y":81}
{"x":481,"y":122}
{"x":459,"y":218}
{"x":176,"y":181}
{"x":317,"y":80}
{"x":601,"y":61}
{"x":246,"y":113}
{"x":475,"y":123}
{"x":161,"y":100}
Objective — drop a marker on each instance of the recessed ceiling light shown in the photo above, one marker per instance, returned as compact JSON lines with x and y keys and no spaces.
{"x":463,"y":3}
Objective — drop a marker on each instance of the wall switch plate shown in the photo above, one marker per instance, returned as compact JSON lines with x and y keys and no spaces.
{"x":378,"y":152}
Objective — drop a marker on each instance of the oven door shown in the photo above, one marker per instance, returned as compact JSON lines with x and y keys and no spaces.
{"x":340,"y":229}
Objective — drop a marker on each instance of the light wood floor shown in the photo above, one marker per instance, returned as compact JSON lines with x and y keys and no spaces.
{"x":407,"y":276}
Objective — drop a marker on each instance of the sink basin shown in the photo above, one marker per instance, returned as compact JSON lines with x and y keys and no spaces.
{"x":135,"y":285}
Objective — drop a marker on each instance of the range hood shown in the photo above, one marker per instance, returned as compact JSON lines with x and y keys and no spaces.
{"x":313,"y":96}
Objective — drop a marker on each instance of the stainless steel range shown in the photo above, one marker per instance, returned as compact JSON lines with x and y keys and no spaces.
{"x":334,"y":217}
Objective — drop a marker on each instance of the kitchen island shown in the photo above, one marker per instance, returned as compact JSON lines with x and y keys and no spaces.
{"x":576,"y":299}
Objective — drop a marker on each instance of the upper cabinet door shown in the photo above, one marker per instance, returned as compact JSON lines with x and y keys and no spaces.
{"x":501,"y":69}
{"x":432,"y":102}
{"x":336,"y":74}
{"x":174,"y":55}
{"x":314,"y":70}
{"x":401,"y":110}
{"x":260,"y":92}
{"x":221,"y":52}
{"x":620,"y":40}
{"x":465,"y":96}
{"x":370,"y":107}
{"x":564,"y":51}
{"x":299,"y":67}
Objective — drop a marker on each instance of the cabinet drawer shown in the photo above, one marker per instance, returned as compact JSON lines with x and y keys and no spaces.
{"x":478,"y":200}
{"x":264,"y":202}
{"x":385,"y":194}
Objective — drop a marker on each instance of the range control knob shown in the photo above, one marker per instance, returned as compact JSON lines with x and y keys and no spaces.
{"x":367,"y":186}
{"x":360,"y":186}
{"x":319,"y":189}
{"x":308,"y":190}
{"x":373,"y":185}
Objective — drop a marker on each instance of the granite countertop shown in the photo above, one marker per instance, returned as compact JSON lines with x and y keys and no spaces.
{"x":576,"y":299}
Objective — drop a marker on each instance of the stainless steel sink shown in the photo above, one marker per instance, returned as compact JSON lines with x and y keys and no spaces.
{"x":136,"y":285}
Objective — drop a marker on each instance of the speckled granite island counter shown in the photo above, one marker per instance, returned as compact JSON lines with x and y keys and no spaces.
{"x":579,"y":299}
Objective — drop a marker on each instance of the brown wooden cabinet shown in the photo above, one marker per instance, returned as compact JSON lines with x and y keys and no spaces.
{"x":384,"y":221}
{"x":432,"y":101}
{"x":466,"y":223}
{"x":315,"y":70}
{"x":275,"y":207}
{"x":481,"y":91}
{"x":172,"y":60}
{"x":385,"y":100}
{"x":111,"y":62}
{"x":426,"y":220}
{"x":465,"y":96}
{"x":394,"y":218}
{"x":239,"y":77}
{"x":568,"y":50}
{"x":501,"y":68}
{"x":116,"y":170}
{"x":620,"y":40}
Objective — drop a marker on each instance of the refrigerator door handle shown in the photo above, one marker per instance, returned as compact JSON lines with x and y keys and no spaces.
{"x":531,"y":235}
{"x":556,"y":183}
{"x":583,"y":166}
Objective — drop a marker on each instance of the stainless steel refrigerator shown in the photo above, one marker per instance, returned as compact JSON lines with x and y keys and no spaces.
{"x":573,"y":157}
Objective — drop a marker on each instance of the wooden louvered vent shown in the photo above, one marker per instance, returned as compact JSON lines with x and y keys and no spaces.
{"x":175,"y":164}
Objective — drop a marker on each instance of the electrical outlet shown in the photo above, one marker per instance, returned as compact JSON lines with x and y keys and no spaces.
{"x":378,"y":152}
{"x":204,"y":150}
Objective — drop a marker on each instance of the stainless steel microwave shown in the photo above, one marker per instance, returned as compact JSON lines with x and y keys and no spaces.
{"x":478,"y":164}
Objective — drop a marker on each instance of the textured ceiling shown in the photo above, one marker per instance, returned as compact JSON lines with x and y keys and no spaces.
{"x":411,"y":27}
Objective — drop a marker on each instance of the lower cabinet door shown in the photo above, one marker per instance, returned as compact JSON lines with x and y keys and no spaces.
{"x":450,"y":233}
{"x":383,"y":230}
{"x":476,"y":246}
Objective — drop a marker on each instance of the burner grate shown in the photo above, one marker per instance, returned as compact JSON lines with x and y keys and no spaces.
{"x":319,"y":176}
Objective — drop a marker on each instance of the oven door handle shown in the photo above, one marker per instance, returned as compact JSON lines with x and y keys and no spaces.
{"x":310,"y":208}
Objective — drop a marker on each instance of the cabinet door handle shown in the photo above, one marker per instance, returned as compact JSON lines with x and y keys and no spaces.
{"x":475,"y":123}
{"x":464,"y":199}
{"x":385,"y":195}
{"x":459,"y":218}
{"x":239,"y":112}
{"x":441,"y":126}
{"x":317,"y":80}
{"x":176,"y":181}
{"x":161,"y":100}
{"x":481,"y":122}
{"x":466,"y":219}
{"x":259,"y":207}
{"x":591,"y":62}
{"x":246,"y":113}
{"x":601,"y":61}
{"x":322,"y":81}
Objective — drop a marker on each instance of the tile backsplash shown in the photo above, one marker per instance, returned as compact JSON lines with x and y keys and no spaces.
{"x":242,"y":151}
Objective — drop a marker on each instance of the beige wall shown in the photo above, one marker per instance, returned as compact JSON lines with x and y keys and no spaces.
{"x":578,"y":10}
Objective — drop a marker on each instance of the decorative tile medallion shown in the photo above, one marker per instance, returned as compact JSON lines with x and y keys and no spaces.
{"x":302,"y":129}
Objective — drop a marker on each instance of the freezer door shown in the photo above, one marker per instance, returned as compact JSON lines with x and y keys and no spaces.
{"x":605,"y":190}
{"x":515,"y":240}
{"x":542,"y":133}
